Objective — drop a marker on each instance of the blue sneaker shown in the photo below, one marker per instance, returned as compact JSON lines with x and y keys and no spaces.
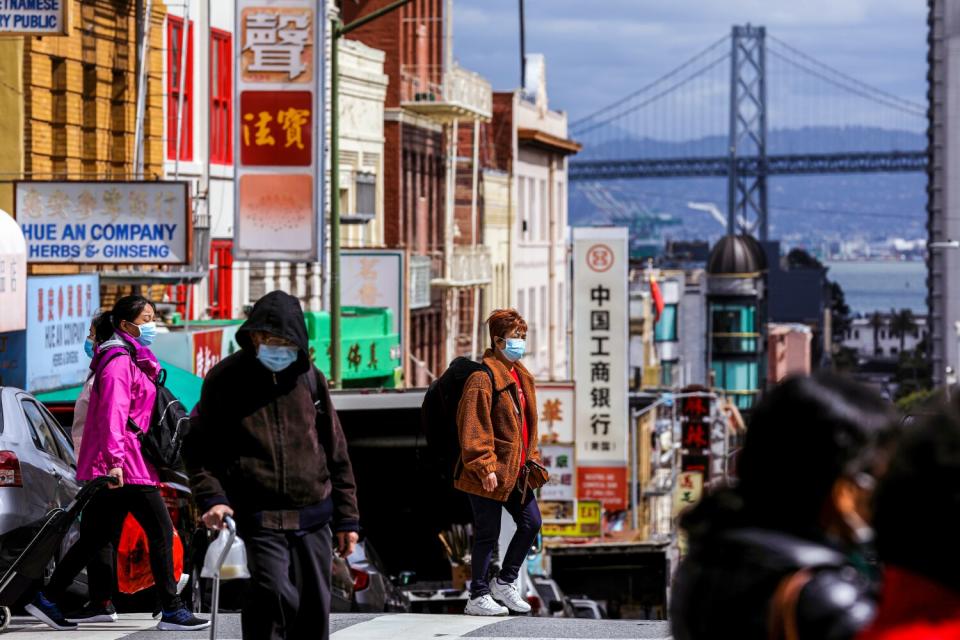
{"x":49,"y":614}
{"x":181,"y":620}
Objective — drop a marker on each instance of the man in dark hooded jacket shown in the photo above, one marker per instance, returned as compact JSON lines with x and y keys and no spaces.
{"x":266,"y":447}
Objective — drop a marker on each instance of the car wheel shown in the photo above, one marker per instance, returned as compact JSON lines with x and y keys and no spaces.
{"x":4,"y":618}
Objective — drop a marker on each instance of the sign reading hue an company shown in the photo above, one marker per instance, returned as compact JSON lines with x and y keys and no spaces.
{"x":105,"y":222}
{"x":279,"y":126}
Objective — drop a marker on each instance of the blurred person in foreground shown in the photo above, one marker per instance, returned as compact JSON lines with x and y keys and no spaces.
{"x":918,"y":527}
{"x":266,"y":448}
{"x":781,"y":553}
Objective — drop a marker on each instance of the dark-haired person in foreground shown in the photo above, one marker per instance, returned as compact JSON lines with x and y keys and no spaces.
{"x":779,"y":554}
{"x":918,"y":529}
{"x":266,"y":448}
{"x":124,"y":388}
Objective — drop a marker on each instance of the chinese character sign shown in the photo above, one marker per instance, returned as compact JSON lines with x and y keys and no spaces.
{"x":558,"y":459}
{"x":688,"y":491}
{"x":695,"y":424}
{"x":600,"y":345}
{"x":279,"y":125}
{"x":556,"y":412}
{"x":60,"y":309}
{"x":105,"y":222}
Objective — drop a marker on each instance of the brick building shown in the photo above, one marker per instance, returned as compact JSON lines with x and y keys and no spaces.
{"x":429,"y":99}
{"x":69,"y":103}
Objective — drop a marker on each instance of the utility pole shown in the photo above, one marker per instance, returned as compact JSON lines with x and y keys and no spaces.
{"x":337,"y":31}
{"x":523,"y":48}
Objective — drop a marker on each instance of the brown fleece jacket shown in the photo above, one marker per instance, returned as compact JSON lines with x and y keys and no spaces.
{"x":492,"y":442}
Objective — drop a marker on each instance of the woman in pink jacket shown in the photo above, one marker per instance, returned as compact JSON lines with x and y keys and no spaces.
{"x":124,"y":390}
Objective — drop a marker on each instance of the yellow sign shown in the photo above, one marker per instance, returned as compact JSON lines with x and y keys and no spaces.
{"x":688,"y":491}
{"x":589,"y":522}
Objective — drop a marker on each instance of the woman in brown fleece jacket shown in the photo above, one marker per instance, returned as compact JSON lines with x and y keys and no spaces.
{"x":498,"y":434}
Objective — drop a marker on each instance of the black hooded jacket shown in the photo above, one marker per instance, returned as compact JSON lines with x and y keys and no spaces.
{"x":258,"y":442}
{"x":725,"y":586}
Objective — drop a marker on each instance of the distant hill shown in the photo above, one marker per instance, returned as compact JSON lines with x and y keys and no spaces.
{"x":804,"y":209}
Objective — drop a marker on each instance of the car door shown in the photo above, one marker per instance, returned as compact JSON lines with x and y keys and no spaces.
{"x":67,"y":460}
{"x":53,"y":463}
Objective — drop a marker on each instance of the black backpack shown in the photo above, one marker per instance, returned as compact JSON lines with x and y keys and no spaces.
{"x":169,"y":422}
{"x":438,"y":415}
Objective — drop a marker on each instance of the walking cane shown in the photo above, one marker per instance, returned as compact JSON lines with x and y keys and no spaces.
{"x":215,"y":600}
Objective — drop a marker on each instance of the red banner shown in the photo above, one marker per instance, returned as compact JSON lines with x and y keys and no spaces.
{"x":606,"y":484}
{"x":275,"y":128}
{"x":207,"y":351}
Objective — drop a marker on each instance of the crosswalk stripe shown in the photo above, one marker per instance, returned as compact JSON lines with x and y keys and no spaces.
{"x":395,"y":627}
{"x":128,"y":624}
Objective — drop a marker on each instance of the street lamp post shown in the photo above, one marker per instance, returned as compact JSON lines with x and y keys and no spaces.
{"x":338,"y":30}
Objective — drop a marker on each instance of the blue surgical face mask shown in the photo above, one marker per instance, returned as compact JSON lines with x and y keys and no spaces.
{"x":514,"y":349}
{"x":88,"y":347}
{"x":276,"y":358}
{"x":148,"y":332}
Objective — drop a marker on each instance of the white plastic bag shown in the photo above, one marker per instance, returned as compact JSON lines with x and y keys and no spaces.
{"x":234,"y":565}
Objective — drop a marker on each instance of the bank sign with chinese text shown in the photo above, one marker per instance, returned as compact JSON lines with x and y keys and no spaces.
{"x":279,"y":126}
{"x":105,"y":222}
{"x":34,"y":17}
{"x":600,"y":363}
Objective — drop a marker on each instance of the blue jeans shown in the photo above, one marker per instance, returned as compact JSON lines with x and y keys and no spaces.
{"x":486,"y":524}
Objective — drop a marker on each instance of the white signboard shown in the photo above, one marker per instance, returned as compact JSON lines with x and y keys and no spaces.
{"x":34,"y":17}
{"x":371,"y":278}
{"x":556,"y":401}
{"x":600,"y":338}
{"x":559,"y":461}
{"x":59,"y":312}
{"x":13,"y":276}
{"x":279,"y":129}
{"x":105,"y":222}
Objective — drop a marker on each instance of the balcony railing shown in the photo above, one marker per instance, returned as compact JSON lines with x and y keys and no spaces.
{"x":460,"y":94}
{"x":469,"y":266}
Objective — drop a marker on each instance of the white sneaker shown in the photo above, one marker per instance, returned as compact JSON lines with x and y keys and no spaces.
{"x":485,"y":606}
{"x":509,"y":595}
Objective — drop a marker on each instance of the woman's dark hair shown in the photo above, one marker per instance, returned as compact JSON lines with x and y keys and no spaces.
{"x":803,"y":436}
{"x":917,"y":504}
{"x":126,"y":308}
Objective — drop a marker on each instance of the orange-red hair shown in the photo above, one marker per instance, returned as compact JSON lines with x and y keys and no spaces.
{"x":505,"y":321}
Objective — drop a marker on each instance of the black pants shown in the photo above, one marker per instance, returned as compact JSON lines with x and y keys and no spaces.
{"x":486,"y":525}
{"x":288,"y":594}
{"x":101,"y":524}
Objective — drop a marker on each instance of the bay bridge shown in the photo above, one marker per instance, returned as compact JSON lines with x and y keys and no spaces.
{"x":747,"y":107}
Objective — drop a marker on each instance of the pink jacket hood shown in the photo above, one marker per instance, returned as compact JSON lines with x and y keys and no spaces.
{"x":123,"y":388}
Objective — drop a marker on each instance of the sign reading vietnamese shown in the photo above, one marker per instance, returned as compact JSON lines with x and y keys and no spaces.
{"x":279,"y":127}
{"x":34,"y":17}
{"x":600,"y":333}
{"x":49,"y":354}
{"x":105,"y":222}
{"x":556,"y":412}
{"x":13,"y":276}
{"x":589,"y":522}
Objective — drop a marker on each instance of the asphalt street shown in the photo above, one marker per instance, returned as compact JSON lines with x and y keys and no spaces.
{"x":374,"y":627}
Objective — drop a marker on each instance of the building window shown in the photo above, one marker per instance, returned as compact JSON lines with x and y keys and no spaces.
{"x":531,"y":217}
{"x":175,"y":125}
{"x":221,"y":97}
{"x":221,"y":279}
{"x":366,"y":185}
{"x":522,"y":204}
{"x":741,"y":379}
{"x":856,"y":334}
{"x":666,"y":328}
{"x":667,"y":372}
{"x":544,"y":211}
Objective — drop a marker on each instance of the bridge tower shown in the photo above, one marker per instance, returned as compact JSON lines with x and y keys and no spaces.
{"x":747,"y":191}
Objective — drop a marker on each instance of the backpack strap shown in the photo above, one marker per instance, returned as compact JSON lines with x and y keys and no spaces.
{"x":494,"y":392}
{"x":782,"y":623}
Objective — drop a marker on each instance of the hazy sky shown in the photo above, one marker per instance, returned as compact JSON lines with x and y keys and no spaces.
{"x":600,"y":50}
